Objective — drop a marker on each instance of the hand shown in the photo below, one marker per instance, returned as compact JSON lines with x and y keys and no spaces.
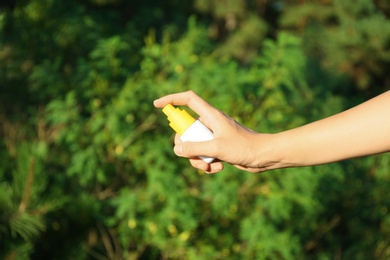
{"x":232,"y":142}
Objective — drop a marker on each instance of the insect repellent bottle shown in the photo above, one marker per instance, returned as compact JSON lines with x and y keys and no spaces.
{"x":187,"y":127}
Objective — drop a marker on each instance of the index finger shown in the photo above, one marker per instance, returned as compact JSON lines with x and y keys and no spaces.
{"x":188,"y":98}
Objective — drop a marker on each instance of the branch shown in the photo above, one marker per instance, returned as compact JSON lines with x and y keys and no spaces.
{"x":27,"y":190}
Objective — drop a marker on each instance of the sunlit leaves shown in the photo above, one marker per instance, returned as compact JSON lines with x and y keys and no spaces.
{"x":87,"y":160}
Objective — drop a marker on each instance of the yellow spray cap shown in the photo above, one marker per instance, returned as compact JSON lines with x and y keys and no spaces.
{"x":179,"y":119}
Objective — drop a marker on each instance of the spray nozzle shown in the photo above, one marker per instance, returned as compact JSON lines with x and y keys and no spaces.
{"x":179,"y":119}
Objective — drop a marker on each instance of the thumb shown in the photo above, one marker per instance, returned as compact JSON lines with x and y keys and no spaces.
{"x":196,"y":149}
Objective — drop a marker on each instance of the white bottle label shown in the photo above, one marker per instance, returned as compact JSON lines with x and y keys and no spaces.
{"x":198,"y":132}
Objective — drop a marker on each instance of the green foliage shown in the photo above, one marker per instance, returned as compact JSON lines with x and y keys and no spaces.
{"x":349,"y":36}
{"x":87,"y":169}
{"x":23,"y":200}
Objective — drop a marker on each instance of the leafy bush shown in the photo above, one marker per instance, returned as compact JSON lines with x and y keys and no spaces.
{"x":87,"y":170}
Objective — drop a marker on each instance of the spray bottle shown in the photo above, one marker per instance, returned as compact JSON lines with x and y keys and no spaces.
{"x":187,"y":127}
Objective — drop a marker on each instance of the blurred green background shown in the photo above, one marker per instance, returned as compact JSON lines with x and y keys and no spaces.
{"x":87,"y":169}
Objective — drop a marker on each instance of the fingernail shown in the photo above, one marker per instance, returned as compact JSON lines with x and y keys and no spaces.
{"x":178,"y":149}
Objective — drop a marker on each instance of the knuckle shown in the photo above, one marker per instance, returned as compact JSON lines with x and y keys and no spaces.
{"x":187,"y":149}
{"x":199,"y":164}
{"x":191,"y":93}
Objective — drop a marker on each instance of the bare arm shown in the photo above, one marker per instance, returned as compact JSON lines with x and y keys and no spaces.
{"x":362,"y":130}
{"x":359,"y":131}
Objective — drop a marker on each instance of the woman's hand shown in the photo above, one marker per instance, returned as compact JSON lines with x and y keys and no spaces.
{"x":232,"y":142}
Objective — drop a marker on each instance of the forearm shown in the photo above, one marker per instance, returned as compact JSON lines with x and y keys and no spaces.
{"x":360,"y":131}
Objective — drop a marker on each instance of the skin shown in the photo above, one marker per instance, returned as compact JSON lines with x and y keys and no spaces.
{"x":359,"y":131}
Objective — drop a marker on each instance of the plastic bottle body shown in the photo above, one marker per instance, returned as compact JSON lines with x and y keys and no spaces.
{"x":188,"y":128}
{"x":198,"y":132}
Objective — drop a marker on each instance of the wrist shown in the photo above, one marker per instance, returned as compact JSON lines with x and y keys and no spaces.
{"x":271,"y":152}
